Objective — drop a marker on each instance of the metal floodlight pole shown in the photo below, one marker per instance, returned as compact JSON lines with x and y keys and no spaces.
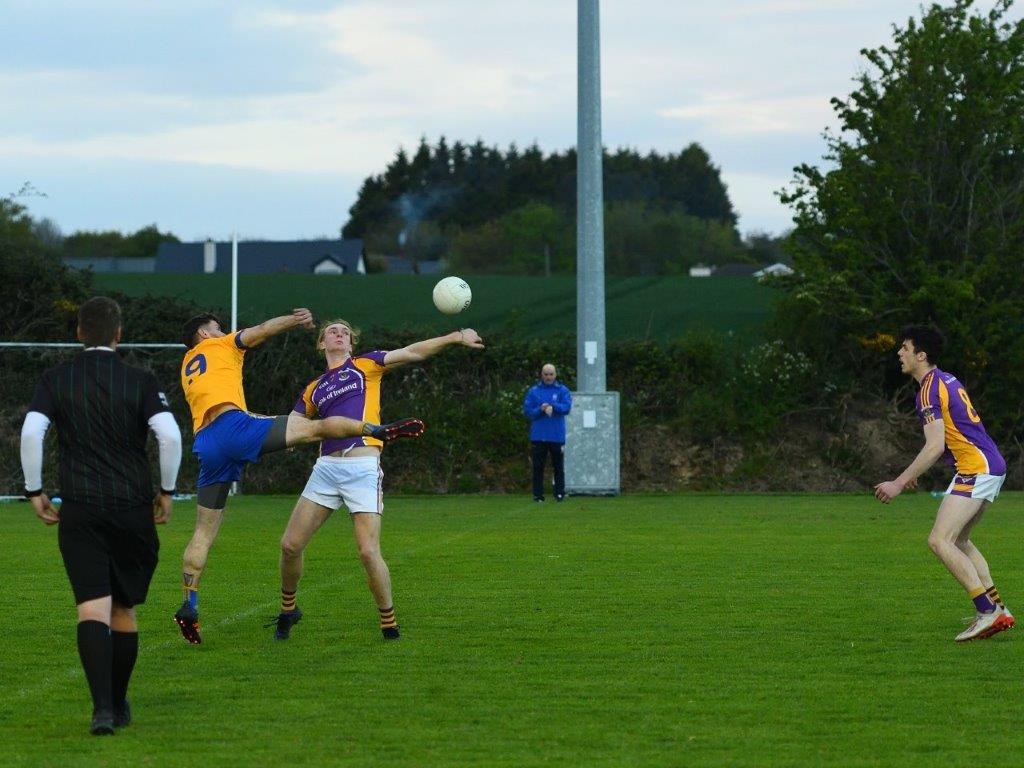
{"x":592,"y":429}
{"x":590,"y":327}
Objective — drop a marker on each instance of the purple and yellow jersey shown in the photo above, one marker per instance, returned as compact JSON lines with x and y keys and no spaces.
{"x":968,"y":446}
{"x":211,"y":374}
{"x":353,"y":390}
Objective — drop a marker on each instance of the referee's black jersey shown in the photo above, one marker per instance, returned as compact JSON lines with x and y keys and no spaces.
{"x":101,"y":409}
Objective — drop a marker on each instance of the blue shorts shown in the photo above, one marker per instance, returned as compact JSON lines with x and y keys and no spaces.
{"x":224,"y":447}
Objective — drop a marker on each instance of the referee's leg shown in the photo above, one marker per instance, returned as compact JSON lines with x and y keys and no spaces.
{"x":95,"y":649}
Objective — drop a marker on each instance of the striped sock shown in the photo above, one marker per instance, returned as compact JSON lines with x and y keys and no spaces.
{"x":287,"y":601}
{"x":387,"y":618}
{"x":993,"y":595}
{"x":982,"y":601}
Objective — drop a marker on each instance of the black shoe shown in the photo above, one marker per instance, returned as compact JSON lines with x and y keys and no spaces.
{"x":538,"y":498}
{"x":391,"y":633}
{"x":187,"y":619}
{"x":102,"y":723}
{"x":285,"y":621}
{"x":560,"y":498}
{"x":395,"y":430}
{"x":122,"y":715}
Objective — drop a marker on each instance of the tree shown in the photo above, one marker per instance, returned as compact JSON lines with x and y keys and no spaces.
{"x":38,"y":293}
{"x":921,"y":217}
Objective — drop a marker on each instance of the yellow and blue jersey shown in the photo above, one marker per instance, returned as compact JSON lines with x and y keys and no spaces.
{"x":352,"y":389}
{"x":211,"y":375}
{"x":968,"y":446}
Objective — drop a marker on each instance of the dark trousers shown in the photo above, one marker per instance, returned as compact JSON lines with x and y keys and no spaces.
{"x":540,"y":451}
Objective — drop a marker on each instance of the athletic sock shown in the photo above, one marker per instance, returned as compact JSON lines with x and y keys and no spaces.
{"x":993,"y":595}
{"x":287,"y":601}
{"x":191,"y":597}
{"x":982,"y":601}
{"x":125,"y":647}
{"x":95,"y":649}
{"x":387,"y":618}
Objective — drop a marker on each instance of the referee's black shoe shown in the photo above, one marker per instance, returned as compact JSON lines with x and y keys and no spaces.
{"x":122,"y":714}
{"x":187,"y":619}
{"x":102,"y":723}
{"x":285,"y":621}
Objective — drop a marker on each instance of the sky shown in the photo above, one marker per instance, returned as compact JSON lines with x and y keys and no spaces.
{"x":263,"y":118}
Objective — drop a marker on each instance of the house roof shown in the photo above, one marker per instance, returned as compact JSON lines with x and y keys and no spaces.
{"x":261,"y":256}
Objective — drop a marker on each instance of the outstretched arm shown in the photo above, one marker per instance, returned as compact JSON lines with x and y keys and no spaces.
{"x":251,"y":337}
{"x":934,"y":445}
{"x":421,"y":350}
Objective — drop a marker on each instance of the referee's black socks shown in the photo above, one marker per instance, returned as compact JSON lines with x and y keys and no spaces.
{"x":125,"y":647}
{"x":95,"y":649}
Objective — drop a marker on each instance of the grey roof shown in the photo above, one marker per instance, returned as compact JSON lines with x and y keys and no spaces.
{"x":262,"y":256}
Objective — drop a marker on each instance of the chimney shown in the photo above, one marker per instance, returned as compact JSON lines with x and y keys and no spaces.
{"x":209,"y":256}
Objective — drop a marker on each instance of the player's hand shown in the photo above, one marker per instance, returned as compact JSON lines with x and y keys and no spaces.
{"x":547,"y":408}
{"x":471,"y":338}
{"x":304,"y":318}
{"x":910,"y":485}
{"x":887,"y":491}
{"x":162,"y":506}
{"x":44,"y":509}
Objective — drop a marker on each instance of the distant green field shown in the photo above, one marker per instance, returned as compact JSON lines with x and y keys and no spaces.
{"x":687,"y":630}
{"x":655,"y":308}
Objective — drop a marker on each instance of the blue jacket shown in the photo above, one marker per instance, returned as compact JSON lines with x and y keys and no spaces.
{"x":551,"y":428}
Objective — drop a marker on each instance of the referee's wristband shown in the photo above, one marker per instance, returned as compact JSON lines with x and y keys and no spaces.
{"x":168,"y":493}
{"x":32,"y":494}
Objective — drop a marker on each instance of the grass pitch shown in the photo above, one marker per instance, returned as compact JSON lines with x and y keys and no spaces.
{"x":696,"y":630}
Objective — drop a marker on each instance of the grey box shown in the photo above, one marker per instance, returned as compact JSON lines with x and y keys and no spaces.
{"x":592,"y":444}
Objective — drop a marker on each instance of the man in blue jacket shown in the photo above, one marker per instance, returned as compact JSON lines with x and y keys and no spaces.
{"x":546,"y":404}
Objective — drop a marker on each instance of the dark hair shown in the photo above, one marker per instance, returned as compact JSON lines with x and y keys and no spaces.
{"x":925,"y":338}
{"x":98,"y":321}
{"x":191,"y":328}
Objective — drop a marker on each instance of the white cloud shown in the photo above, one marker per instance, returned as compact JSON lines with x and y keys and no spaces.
{"x":732,"y":114}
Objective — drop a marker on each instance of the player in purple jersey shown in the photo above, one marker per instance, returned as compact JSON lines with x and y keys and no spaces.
{"x":348,"y":471}
{"x":953,"y":428}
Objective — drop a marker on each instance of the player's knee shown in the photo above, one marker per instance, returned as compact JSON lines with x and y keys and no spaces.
{"x":290,"y":547}
{"x":936,"y":542}
{"x":369,"y":553}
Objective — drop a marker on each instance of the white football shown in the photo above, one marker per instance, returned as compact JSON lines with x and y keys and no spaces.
{"x":452,"y":295}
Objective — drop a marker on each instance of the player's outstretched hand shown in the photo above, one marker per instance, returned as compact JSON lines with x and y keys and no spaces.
{"x":304,"y":318}
{"x":396,"y":429}
{"x":44,"y":509}
{"x":471,"y":338}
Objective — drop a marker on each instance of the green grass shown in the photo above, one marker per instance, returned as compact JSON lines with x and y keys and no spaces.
{"x":696,"y":630}
{"x":657,"y":308}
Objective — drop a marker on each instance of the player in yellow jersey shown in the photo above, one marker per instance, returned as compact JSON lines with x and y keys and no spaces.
{"x":227,"y":436}
{"x":953,"y":429}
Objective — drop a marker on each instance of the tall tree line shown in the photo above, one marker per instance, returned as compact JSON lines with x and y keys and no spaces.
{"x":493,"y":210}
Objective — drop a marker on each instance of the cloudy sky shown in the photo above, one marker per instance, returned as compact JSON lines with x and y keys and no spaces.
{"x":264,"y":117}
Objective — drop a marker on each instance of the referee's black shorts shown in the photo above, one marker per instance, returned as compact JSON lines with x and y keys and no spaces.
{"x":108,"y":551}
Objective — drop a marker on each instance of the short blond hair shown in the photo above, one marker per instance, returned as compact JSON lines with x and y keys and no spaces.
{"x":353,"y":331}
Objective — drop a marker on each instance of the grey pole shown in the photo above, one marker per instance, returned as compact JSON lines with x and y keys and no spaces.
{"x":592,"y":427}
{"x":590,"y":331}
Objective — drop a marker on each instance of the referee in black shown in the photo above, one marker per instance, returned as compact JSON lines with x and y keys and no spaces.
{"x":103,"y":410}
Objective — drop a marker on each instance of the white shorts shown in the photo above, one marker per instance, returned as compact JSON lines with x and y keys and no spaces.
{"x":355,"y":480}
{"x":980,"y":486}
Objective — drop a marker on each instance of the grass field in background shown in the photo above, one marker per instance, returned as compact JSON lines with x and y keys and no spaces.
{"x":690,"y":630}
{"x":657,"y":308}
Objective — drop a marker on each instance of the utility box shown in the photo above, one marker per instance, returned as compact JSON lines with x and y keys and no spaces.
{"x":592,"y":444}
